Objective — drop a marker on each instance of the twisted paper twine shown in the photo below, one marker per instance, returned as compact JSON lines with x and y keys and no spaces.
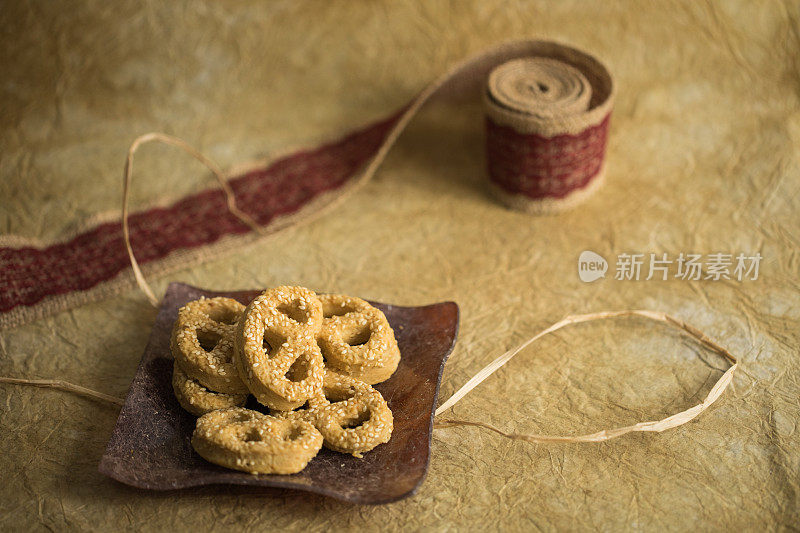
{"x":658,"y":426}
{"x":606,"y":434}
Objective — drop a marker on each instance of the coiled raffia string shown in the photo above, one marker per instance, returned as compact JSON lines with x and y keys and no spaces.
{"x":126,"y":183}
{"x":510,"y":87}
{"x":606,"y":434}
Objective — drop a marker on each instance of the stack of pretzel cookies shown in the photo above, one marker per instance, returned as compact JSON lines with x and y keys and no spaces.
{"x":311,"y":359}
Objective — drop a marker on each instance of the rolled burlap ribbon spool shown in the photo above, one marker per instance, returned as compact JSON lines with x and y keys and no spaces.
{"x":547,"y":121}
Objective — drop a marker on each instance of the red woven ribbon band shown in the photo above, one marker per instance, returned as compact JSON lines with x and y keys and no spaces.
{"x":539,"y":167}
{"x":28,"y":275}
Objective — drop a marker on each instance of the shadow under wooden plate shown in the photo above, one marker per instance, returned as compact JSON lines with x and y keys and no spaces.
{"x":150,"y":446}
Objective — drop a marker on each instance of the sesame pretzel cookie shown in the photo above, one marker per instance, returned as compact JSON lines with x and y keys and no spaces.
{"x":276,"y":351}
{"x":202,"y":343}
{"x":356,"y":339}
{"x":197,"y":399}
{"x":352,"y":416}
{"x":246,"y":440}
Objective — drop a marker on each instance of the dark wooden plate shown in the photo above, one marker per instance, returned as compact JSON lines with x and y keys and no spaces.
{"x":150,"y":447}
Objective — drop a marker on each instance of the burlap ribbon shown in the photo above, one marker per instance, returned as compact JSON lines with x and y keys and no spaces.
{"x":548,"y":109}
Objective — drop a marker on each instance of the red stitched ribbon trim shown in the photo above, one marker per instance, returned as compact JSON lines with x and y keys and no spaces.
{"x":540,"y":167}
{"x":27,"y":275}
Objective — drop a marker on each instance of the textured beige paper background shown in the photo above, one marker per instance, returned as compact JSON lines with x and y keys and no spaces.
{"x":703,"y":157}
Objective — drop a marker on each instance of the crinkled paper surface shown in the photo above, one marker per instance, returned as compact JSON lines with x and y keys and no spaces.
{"x":703,"y":158}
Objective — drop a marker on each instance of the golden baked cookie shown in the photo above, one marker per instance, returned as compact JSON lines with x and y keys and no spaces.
{"x":249,"y":441}
{"x":202,"y":343}
{"x":356,"y":339}
{"x":352,"y":416}
{"x":197,"y":399}
{"x":276,"y":350}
